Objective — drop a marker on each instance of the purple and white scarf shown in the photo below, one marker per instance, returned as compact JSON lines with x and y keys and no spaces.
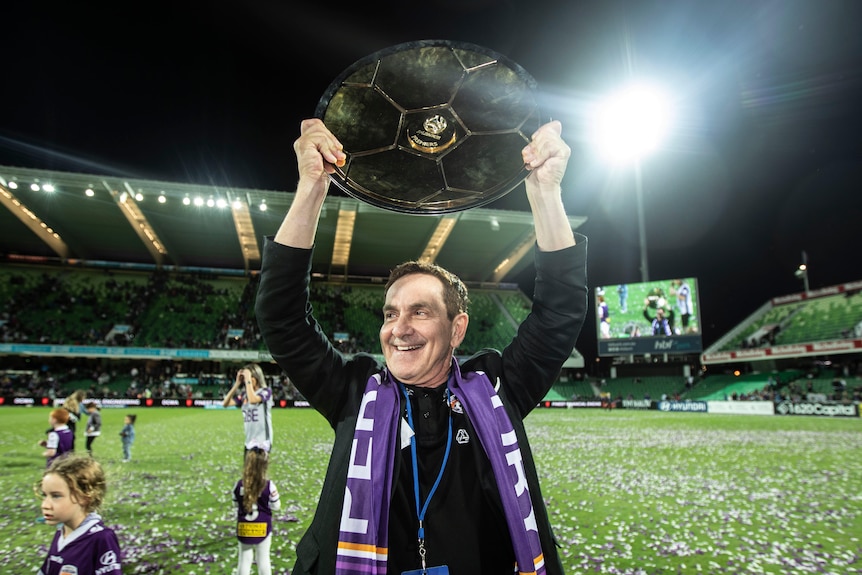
{"x":364,"y":530}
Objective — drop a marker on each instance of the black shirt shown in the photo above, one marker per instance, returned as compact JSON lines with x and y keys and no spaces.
{"x":465,"y":527}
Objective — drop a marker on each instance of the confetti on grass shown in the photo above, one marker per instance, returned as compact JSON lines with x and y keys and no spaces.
{"x":629,"y":493}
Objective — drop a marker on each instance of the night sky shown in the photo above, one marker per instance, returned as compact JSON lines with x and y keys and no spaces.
{"x":763,"y":161}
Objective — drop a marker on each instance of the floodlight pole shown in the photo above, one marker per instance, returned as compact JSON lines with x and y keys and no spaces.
{"x":641,"y":221}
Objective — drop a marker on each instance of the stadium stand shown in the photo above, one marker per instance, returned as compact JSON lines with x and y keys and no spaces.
{"x":79,"y":306}
{"x":566,"y":389}
{"x":825,"y":318}
{"x":645,"y":387}
{"x":58,"y":306}
{"x":75,"y":306}
{"x":84,"y":306}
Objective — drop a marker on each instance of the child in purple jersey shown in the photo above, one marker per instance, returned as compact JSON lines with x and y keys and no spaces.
{"x":256,"y":497}
{"x":255,"y":401}
{"x":60,"y":440}
{"x":72,"y":490}
{"x":60,"y":437}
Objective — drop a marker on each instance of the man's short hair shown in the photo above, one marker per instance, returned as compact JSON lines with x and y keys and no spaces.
{"x":454,"y":291}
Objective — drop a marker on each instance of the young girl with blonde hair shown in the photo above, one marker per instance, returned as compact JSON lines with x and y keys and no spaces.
{"x":256,"y":497}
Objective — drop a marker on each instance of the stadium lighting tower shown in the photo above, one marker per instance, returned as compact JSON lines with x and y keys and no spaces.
{"x":629,"y":125}
{"x":802,"y":271}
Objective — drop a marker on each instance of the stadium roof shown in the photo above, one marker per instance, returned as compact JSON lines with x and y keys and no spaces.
{"x":354,"y":239}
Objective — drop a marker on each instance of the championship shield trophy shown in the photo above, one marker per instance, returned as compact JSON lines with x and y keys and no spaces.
{"x":431,"y":127}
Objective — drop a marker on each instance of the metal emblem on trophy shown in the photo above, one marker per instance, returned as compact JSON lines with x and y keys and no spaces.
{"x":431,"y":127}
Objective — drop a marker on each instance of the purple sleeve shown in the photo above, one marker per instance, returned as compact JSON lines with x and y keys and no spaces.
{"x":235,"y":493}
{"x":106,"y":553}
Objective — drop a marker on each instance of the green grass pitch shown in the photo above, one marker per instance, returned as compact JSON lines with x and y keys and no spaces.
{"x":629,"y":492}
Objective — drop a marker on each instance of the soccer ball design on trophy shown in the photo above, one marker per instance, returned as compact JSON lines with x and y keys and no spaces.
{"x":431,"y":127}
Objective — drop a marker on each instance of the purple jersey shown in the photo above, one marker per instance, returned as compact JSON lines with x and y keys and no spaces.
{"x":255,"y":526}
{"x":91,"y":549}
{"x":60,"y":440}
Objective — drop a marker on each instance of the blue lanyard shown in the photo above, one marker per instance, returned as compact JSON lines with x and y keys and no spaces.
{"x":420,"y":513}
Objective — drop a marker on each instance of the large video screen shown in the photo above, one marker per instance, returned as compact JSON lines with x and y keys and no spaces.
{"x":653,"y":317}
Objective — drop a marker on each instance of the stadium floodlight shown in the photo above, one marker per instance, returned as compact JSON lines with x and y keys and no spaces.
{"x":631,"y":123}
{"x":802,"y":271}
{"x":628,"y":125}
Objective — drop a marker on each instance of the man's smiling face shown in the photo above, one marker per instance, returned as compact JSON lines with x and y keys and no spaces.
{"x":417,"y":337}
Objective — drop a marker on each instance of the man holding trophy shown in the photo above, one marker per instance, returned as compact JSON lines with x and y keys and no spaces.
{"x":431,"y":470}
